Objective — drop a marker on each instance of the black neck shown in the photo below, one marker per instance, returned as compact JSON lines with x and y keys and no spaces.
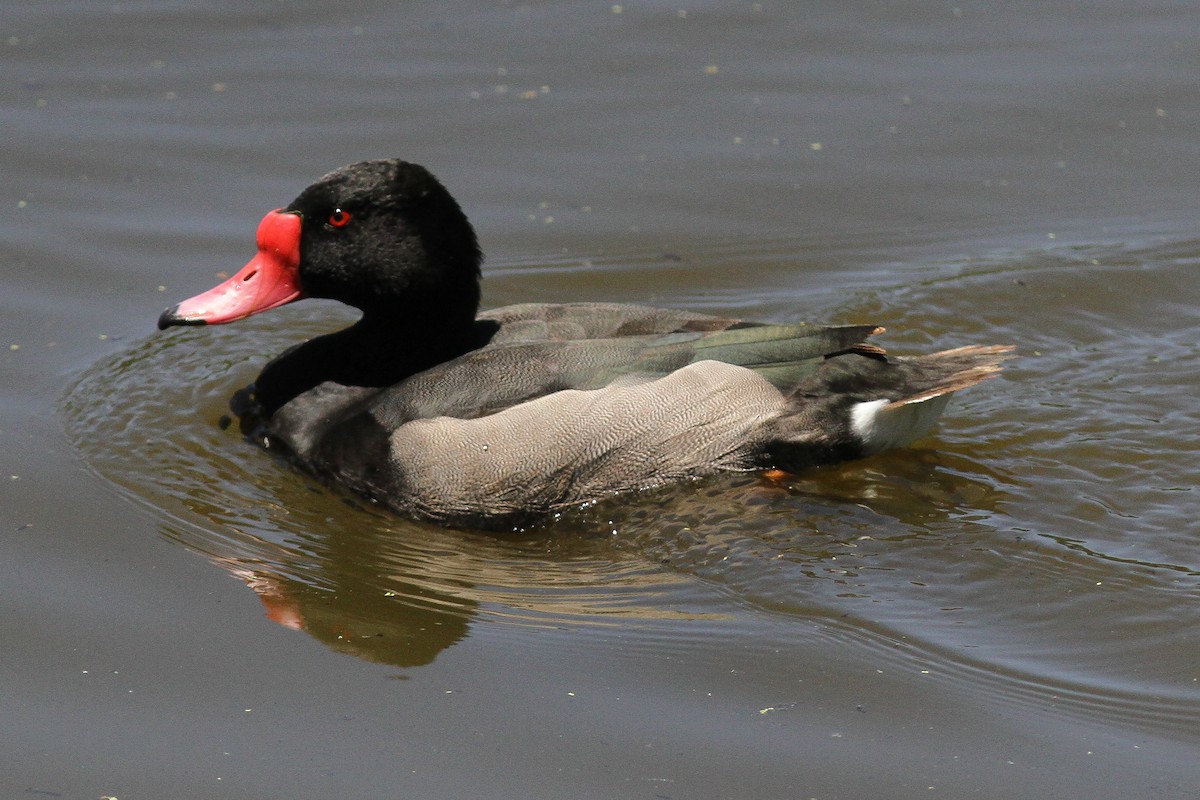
{"x":373,"y":352}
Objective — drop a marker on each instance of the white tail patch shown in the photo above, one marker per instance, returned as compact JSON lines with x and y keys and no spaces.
{"x":883,"y":425}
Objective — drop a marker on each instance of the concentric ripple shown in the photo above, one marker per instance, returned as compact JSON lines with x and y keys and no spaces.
{"x":979,"y":556}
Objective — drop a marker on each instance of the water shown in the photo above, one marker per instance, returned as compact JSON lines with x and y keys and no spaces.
{"x":1008,"y":609}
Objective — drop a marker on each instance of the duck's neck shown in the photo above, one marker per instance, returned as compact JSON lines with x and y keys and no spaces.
{"x":378,"y":350}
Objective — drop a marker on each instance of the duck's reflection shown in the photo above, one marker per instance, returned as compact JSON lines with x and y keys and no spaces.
{"x":390,"y":591}
{"x":387,"y":590}
{"x":388,"y":627}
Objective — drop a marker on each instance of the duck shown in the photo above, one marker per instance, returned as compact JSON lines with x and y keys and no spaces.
{"x":501,"y":418}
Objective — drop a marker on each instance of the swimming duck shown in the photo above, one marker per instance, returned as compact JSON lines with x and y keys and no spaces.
{"x":495,"y":419}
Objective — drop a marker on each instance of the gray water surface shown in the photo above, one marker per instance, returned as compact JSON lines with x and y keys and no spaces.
{"x":1008,"y":609}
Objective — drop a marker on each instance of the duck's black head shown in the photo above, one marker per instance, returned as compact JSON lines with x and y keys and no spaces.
{"x":381,"y":232}
{"x":382,"y":236}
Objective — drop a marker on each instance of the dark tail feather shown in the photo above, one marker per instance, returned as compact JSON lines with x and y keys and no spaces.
{"x":862,"y":401}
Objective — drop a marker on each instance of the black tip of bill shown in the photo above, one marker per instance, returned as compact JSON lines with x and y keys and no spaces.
{"x":170,"y":317}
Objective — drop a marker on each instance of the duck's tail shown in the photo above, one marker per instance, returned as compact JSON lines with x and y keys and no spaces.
{"x":862,"y":401}
{"x":842,"y":397}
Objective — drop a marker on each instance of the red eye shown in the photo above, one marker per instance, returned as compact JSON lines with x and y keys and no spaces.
{"x":339,"y":218}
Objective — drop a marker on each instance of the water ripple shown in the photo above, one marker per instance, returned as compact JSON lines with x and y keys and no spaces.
{"x":1038,"y":551}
